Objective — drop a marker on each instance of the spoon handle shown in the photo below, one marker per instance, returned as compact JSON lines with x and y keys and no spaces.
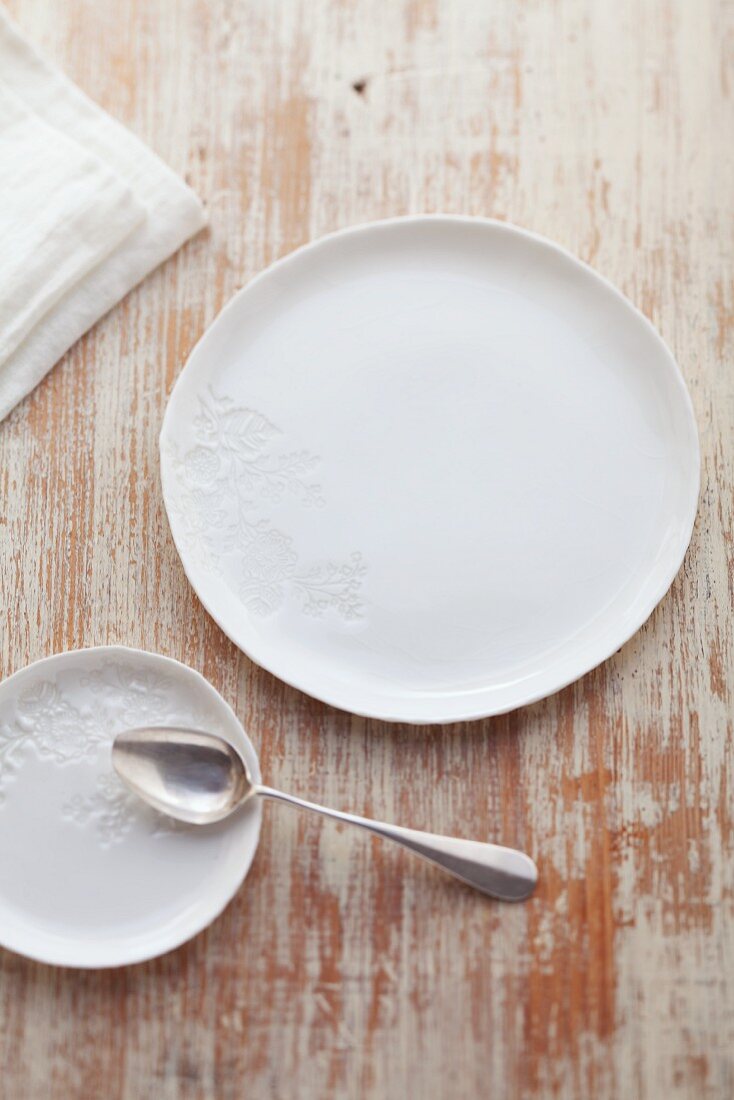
{"x":500,"y":872}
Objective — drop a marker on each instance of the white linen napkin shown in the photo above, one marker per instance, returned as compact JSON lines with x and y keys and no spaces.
{"x":86,"y":211}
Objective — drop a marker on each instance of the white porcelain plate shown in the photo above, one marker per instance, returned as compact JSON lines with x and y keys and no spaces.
{"x":430,"y":469}
{"x":89,"y":876}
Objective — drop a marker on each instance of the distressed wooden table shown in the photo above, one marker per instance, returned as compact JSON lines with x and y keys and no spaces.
{"x":344,"y":968}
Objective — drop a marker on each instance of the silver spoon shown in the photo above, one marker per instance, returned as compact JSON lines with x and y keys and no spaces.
{"x":200,"y":778}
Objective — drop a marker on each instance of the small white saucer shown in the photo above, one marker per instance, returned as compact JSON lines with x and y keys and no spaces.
{"x":91,"y":877}
{"x":430,"y":469}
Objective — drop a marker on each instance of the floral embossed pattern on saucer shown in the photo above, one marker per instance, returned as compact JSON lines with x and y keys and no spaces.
{"x":91,"y":875}
{"x":430,"y":469}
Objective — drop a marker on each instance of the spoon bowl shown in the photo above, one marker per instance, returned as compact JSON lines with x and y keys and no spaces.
{"x":187,"y":774}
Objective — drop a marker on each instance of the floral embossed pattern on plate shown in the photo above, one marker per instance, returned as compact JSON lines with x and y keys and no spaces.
{"x":91,"y":875}
{"x":225,"y":485}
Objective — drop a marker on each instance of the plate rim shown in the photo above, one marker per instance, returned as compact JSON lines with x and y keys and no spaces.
{"x":65,"y":957}
{"x":676,"y":556}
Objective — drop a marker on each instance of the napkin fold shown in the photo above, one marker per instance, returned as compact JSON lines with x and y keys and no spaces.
{"x":86,"y":212}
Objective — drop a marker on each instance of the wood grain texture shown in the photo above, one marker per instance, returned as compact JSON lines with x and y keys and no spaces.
{"x":343,"y":968}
